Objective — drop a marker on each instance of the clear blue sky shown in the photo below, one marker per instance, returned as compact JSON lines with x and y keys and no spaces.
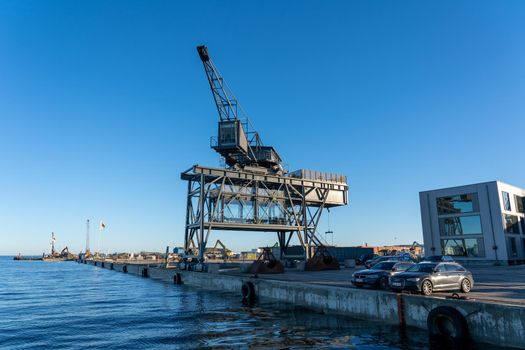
{"x":104,"y":103}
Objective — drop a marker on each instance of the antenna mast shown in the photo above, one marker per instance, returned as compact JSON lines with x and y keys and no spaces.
{"x":87,"y":237}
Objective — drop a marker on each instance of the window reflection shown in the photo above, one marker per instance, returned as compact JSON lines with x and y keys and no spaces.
{"x":463,"y":203}
{"x":460,"y":225}
{"x":469,"y":247}
{"x":506,"y":200}
{"x":513,"y":247}
{"x":511,"y":223}
{"x":519,"y":203}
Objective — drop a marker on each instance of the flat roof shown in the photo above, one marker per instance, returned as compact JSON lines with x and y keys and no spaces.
{"x":472,"y":184}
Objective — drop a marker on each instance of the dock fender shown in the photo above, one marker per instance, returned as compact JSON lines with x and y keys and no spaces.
{"x":111,"y":267}
{"x":144,"y":272}
{"x":125,"y":268}
{"x":177,"y":278}
{"x":448,"y":322}
{"x":248,"y":292}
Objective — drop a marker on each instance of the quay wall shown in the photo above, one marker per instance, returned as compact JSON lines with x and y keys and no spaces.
{"x":488,"y":322}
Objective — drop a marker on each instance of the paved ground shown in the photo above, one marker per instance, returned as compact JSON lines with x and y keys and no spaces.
{"x":503,"y":284}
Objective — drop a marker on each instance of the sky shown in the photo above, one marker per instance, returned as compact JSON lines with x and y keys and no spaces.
{"x":104,"y":103}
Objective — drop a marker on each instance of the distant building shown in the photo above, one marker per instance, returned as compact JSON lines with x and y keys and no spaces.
{"x":414,"y":249}
{"x":478,"y":223}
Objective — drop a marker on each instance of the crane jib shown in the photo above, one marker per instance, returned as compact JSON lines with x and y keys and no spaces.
{"x":236,"y":142}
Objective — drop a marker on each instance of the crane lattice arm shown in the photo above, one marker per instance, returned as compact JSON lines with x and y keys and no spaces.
{"x":237,"y":141}
{"x":225,"y":101}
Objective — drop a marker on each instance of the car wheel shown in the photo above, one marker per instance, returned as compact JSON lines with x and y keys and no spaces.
{"x":426,"y":287}
{"x":383,"y":283}
{"x":466,"y":285}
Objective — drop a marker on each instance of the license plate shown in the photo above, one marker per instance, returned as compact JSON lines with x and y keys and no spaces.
{"x":359,"y":280}
{"x":396,"y":284}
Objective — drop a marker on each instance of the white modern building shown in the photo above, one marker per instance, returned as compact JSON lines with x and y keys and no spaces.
{"x":478,"y":223}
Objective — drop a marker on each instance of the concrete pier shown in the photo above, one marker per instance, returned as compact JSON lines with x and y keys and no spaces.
{"x":488,"y":322}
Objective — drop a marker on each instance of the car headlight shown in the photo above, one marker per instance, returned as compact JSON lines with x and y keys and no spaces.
{"x":415,"y":279}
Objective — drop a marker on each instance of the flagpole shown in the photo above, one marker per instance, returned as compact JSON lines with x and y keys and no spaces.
{"x":98,"y":244}
{"x":101,"y":228}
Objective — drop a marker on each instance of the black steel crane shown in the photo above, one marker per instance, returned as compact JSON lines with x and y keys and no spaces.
{"x":237,"y":142}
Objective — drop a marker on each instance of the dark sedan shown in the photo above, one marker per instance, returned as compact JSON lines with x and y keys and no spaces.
{"x":438,"y":258}
{"x":427,"y":277}
{"x":378,"y":275}
{"x":378,"y":259}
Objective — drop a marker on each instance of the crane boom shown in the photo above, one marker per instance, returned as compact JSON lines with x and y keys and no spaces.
{"x":225,"y":101}
{"x":237,"y":142}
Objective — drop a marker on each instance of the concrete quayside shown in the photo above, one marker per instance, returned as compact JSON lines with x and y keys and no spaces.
{"x":485,"y":321}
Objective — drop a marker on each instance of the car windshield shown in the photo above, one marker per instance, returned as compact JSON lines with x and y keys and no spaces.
{"x":383,"y":266}
{"x":422,"y":268}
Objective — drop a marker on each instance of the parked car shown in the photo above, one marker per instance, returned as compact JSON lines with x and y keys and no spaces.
{"x":378,"y":259}
{"x":378,"y":275}
{"x":438,"y":258}
{"x":428,"y":277}
{"x":364,"y":258}
{"x":368,"y":264}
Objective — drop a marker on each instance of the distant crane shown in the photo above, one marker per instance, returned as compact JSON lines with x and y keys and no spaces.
{"x":53,"y":239}
{"x":88,"y":252}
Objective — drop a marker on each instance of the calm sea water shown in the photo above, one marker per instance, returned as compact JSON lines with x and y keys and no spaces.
{"x":65,"y":305}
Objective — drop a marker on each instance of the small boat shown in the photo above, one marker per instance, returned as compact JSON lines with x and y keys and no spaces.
{"x":20,"y":257}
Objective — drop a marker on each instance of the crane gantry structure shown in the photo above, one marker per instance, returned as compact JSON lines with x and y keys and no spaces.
{"x":254,"y":192}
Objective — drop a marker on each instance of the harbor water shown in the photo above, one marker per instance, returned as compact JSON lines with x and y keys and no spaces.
{"x":65,"y":305}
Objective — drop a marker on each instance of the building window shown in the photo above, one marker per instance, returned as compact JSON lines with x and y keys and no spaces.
{"x":511,"y":223}
{"x":519,"y":204}
{"x":460,"y":225}
{"x":506,"y":200}
{"x":469,"y":247}
{"x":522,"y":222}
{"x":513,"y":247}
{"x":463,"y":203}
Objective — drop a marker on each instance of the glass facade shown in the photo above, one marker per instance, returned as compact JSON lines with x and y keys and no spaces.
{"x":506,"y":200}
{"x":511,"y":223}
{"x":460,"y":225}
{"x":463,"y":203}
{"x":519,"y":203}
{"x":468,"y":247}
{"x":513,"y":251}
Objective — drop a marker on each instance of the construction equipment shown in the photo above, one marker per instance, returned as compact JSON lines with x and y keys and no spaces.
{"x":322,"y":260}
{"x":266,"y":263}
{"x":221,"y":253}
{"x":253,"y":192}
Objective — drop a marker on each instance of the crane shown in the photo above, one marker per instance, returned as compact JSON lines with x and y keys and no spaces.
{"x":254,"y":192}
{"x":237,"y":142}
